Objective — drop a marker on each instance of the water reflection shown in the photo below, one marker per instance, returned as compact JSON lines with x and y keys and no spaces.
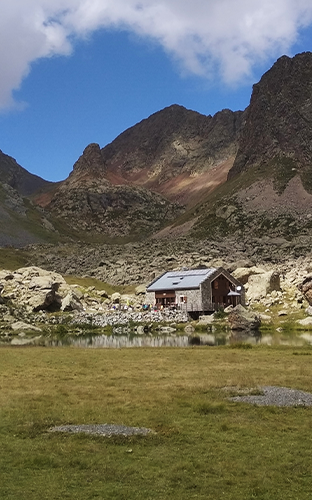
{"x":127,"y":338}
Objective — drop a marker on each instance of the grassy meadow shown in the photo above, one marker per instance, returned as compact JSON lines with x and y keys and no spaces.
{"x":204,"y":447}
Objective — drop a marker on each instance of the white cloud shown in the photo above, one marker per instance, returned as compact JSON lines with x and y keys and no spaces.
{"x":208,"y":37}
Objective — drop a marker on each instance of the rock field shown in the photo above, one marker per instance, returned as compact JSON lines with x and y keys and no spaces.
{"x":33,"y":297}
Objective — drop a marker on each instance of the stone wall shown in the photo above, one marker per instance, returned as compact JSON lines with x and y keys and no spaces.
{"x":206,"y":295}
{"x":193,"y":299}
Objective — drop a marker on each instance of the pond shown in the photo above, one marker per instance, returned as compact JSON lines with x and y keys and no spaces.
{"x":125,"y":338}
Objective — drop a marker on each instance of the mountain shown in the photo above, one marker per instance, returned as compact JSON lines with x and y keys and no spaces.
{"x":12,"y":174}
{"x":269,"y":187}
{"x":21,"y":222}
{"x":148,"y":175}
{"x":243,"y":174}
{"x":278,"y":126}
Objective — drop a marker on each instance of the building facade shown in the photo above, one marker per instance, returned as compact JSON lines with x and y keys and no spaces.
{"x":196,"y":290}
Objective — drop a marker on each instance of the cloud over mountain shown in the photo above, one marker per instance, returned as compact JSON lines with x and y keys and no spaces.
{"x":224,"y":38}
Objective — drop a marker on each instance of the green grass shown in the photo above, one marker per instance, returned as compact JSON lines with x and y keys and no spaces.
{"x":12,"y":258}
{"x":99,"y":285}
{"x":205,"y":446}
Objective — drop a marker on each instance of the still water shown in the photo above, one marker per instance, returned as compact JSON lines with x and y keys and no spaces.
{"x":119,"y":339}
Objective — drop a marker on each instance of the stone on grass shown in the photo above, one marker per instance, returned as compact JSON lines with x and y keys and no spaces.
{"x":71,"y":303}
{"x":20,"y":325}
{"x":242,"y":319}
{"x":305,"y":321}
{"x":206,"y":319}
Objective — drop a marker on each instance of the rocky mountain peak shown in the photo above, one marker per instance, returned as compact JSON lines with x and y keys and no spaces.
{"x":91,"y":161}
{"x":279,"y":117}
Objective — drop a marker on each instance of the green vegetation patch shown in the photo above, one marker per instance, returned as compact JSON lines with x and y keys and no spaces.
{"x":283,"y":170}
{"x":12,"y":258}
{"x":98,"y":285}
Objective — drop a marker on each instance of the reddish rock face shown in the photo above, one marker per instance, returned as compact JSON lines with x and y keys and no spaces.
{"x":148,"y":174}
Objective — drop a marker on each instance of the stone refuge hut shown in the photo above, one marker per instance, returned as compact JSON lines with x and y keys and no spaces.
{"x":195,"y":290}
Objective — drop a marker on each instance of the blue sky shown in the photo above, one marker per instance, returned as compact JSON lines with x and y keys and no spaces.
{"x":88,"y":78}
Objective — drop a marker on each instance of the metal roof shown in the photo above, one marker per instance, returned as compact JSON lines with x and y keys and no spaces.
{"x":181,"y":280}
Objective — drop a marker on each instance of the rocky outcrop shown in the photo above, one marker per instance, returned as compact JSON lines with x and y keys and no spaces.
{"x":97,"y":207}
{"x":243,"y":274}
{"x":242,"y":319}
{"x":142,"y":180}
{"x":260,"y":285}
{"x":90,"y":162}
{"x":34,"y":288}
{"x":306,"y":289}
{"x":174,"y":144}
{"x":278,"y":120}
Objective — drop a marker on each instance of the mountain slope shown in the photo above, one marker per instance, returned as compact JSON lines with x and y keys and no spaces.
{"x":278,"y":124}
{"x":145,"y":177}
{"x":21,"y":222}
{"x":247,"y":174}
{"x":269,"y":186}
{"x":18,"y":178}
{"x":172,"y":149}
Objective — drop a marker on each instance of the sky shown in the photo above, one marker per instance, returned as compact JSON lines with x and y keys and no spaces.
{"x":74,"y":72}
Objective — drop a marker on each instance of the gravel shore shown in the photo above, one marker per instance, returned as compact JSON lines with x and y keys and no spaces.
{"x":102,"y":430}
{"x":277,"y":396}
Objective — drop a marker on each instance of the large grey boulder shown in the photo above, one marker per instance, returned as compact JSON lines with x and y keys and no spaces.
{"x":71,"y":303}
{"x":242,"y":274}
{"x":260,"y":285}
{"x":306,"y":289}
{"x":46,"y":299}
{"x":21,"y":326}
{"x":242,"y":319}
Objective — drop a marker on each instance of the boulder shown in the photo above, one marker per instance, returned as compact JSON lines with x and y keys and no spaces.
{"x":242,"y":274}
{"x":242,"y":319}
{"x":305,"y":321}
{"x":309,"y":310}
{"x":116,"y":298}
{"x":265,"y":317}
{"x":71,"y":303}
{"x":43,"y":299}
{"x":6,"y":275}
{"x":306,"y":289}
{"x":20,"y":325}
{"x":206,"y":319}
{"x":260,"y":285}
